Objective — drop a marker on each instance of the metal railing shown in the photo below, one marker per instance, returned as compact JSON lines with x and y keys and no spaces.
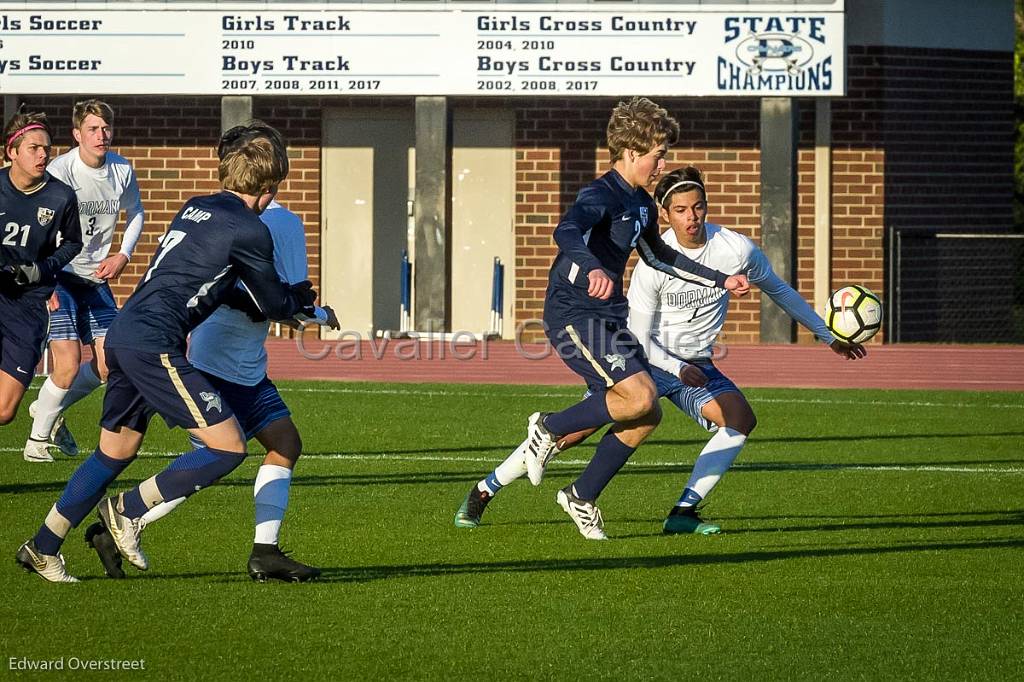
{"x":955,"y":287}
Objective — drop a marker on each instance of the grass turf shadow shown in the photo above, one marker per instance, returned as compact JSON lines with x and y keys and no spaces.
{"x":363,"y":574}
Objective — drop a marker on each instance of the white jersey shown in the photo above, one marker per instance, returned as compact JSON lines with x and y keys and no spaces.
{"x":102,"y":193}
{"x":677,"y":321}
{"x":230,"y":345}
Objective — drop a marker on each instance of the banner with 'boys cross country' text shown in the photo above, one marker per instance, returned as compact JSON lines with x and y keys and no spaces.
{"x":520,"y":50}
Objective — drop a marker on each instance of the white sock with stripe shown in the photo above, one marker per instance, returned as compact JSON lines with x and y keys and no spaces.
{"x":160,"y":510}
{"x":512,"y":468}
{"x":271,"y":495}
{"x":712,"y":463}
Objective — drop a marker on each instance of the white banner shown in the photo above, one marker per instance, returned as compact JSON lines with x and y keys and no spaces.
{"x":528,"y":50}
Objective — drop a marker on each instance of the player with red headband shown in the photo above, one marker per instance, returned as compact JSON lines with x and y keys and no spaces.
{"x":34,"y":209}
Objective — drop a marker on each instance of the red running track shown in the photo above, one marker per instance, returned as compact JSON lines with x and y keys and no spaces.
{"x":971,"y":368}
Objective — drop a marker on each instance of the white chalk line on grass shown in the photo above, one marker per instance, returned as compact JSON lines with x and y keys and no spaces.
{"x":576,"y":393}
{"x":765,"y":466}
{"x":570,"y":393}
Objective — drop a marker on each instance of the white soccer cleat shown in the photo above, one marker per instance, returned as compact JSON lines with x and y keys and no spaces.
{"x":541,"y":447}
{"x":60,"y":436}
{"x":126,"y":532}
{"x":47,"y":566}
{"x":37,"y":451}
{"x":586,"y":514}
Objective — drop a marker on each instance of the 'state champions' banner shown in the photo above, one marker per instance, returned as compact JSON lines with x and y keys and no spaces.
{"x":500,"y":50}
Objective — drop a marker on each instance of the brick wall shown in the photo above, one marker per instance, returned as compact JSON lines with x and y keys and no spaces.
{"x":171,"y":143}
{"x":948,"y":129}
{"x":922,"y":139}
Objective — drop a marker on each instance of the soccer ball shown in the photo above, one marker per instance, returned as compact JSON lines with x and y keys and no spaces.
{"x":853,"y":314}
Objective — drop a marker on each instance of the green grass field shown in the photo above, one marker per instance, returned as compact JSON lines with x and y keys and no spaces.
{"x":867,"y":535}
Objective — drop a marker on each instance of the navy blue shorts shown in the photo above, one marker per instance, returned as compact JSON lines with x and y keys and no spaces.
{"x":86,"y":311}
{"x":23,"y":325}
{"x":603,"y":353}
{"x":142,"y":384}
{"x":255,"y":407}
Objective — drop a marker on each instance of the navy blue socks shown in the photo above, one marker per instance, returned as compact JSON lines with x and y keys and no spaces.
{"x":611,"y":455}
{"x":184,"y":476}
{"x":591,"y":412}
{"x":83,"y":491}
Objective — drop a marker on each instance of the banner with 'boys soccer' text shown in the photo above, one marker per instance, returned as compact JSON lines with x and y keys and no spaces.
{"x":517,"y":50}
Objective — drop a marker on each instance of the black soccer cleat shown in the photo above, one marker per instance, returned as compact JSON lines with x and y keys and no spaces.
{"x":468,"y":515}
{"x":268,"y":562}
{"x":98,"y":537}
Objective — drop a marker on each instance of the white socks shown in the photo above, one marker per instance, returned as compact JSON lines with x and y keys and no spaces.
{"x":712,"y":463}
{"x":53,"y":400}
{"x":512,"y":468}
{"x":271,"y":495}
{"x":48,"y":408}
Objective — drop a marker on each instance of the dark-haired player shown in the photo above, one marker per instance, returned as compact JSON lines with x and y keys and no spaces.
{"x":585,"y":310}
{"x":34,"y":209}
{"x":678,"y":324}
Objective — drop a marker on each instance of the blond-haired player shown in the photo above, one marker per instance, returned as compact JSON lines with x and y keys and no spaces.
{"x":104,"y":183}
{"x":213,"y":243}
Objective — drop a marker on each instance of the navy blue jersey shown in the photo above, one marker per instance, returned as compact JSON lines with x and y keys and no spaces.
{"x":211,"y":244}
{"x":29,"y":225}
{"x":600,"y":230}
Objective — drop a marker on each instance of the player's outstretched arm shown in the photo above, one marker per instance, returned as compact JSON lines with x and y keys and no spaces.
{"x":660,"y":256}
{"x":790,"y":300}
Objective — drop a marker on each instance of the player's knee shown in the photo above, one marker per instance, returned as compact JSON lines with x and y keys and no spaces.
{"x":291,"y":448}
{"x":641,"y":400}
{"x":227,"y":442}
{"x":646,"y":403}
{"x":7,"y":414}
{"x":745,"y":422}
{"x":654,"y":414}
{"x":63,"y":377}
